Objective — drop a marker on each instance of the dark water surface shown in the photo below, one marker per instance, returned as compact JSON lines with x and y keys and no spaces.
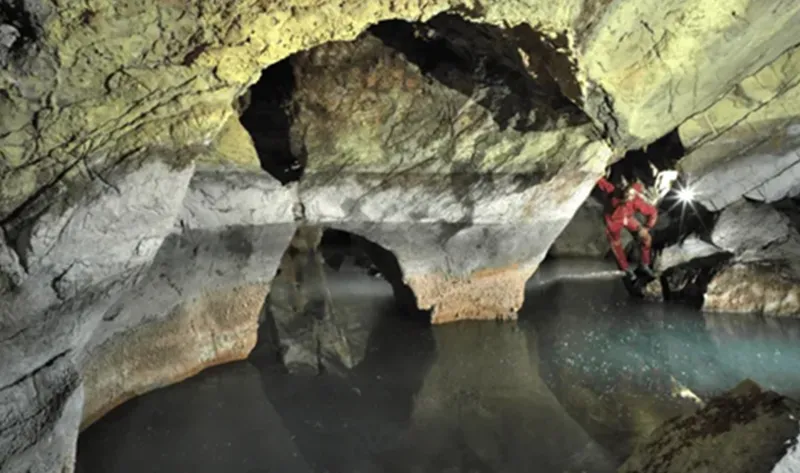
{"x":569,"y":388}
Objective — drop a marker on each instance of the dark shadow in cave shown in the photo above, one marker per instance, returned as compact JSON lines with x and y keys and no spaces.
{"x":447,"y":46}
{"x":26,"y":30}
{"x":790,"y":207}
{"x":267,"y":117}
{"x":663,"y":153}
{"x":338,"y":245}
{"x":676,"y":220}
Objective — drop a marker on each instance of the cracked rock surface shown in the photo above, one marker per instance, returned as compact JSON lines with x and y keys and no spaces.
{"x":135,"y":218}
{"x":748,"y":143}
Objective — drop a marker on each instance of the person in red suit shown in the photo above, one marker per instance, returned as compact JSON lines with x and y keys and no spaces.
{"x":622,"y":214}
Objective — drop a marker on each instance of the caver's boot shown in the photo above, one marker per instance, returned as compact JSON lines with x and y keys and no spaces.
{"x":647,"y":271}
{"x":630,"y":274}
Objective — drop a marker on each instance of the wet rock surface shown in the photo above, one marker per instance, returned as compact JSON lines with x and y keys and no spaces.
{"x":745,"y":430}
{"x":466,"y":163}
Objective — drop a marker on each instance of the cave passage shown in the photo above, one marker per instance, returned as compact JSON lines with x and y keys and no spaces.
{"x":445,"y":398}
{"x":677,"y":219}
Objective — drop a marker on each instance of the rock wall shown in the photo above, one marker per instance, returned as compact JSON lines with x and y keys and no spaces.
{"x":107,"y":229}
{"x":214,"y":328}
{"x":747,"y":143}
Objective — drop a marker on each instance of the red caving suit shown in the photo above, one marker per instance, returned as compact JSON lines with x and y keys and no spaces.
{"x":623,"y":215}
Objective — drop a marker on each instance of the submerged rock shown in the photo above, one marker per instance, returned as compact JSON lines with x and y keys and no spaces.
{"x":746,"y":430}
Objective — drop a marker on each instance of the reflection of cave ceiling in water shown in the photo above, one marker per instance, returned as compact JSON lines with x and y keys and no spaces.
{"x":141,"y":233}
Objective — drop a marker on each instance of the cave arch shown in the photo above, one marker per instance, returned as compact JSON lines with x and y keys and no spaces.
{"x":517,"y":77}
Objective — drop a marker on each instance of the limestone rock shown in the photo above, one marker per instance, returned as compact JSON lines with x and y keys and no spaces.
{"x":747,"y":143}
{"x":146,"y":73}
{"x":216,"y":327}
{"x":751,"y":264}
{"x":757,"y":233}
{"x":39,"y":418}
{"x":584,"y":235}
{"x":746,"y":430}
{"x":189,"y":61}
{"x":468,"y":198}
{"x":79,"y":253}
{"x":383,"y":104}
{"x":69,"y":259}
{"x":683,"y":252}
{"x":764,"y":275}
{"x":468,"y":183}
{"x":647,"y":66}
{"x":764,"y":288}
{"x":200,"y":298}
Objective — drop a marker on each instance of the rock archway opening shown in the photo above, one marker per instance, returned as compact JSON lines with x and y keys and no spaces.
{"x":515,"y":76}
{"x":266,"y":114}
{"x":330,"y":292}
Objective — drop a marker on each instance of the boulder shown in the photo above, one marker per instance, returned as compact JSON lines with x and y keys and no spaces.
{"x":585,"y":234}
{"x":764,"y":273}
{"x":746,"y":430}
{"x":751,"y":263}
{"x":686,"y":251}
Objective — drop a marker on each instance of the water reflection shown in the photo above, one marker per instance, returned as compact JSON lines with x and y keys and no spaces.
{"x":585,"y":373}
{"x":766,"y":350}
{"x":482,"y":407}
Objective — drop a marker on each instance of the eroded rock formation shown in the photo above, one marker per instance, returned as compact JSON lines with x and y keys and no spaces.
{"x":747,"y":263}
{"x":442,"y":150}
{"x":745,"y":430}
{"x":130,"y":197}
